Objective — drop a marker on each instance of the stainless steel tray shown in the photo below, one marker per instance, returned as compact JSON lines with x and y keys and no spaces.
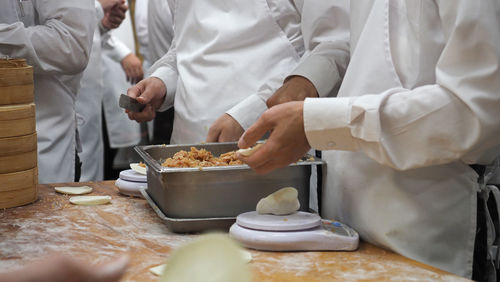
{"x":183,"y":225}
{"x":216,"y":192}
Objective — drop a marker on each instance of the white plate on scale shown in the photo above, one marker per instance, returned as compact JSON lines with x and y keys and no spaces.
{"x":130,"y":183}
{"x":299,"y":231}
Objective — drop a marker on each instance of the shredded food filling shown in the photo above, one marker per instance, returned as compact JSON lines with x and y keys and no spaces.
{"x":201,"y":158}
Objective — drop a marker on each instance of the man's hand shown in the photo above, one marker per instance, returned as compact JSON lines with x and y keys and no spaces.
{"x":132,"y":66}
{"x":225,"y":129}
{"x":296,"y":88}
{"x":151,"y":92}
{"x":286,"y":144}
{"x":115,"y":15}
{"x":60,"y":268}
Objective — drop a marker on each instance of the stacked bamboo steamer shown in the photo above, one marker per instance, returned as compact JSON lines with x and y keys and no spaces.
{"x":18,"y":149}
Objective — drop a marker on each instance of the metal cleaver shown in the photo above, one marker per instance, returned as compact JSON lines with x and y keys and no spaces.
{"x":130,"y":103}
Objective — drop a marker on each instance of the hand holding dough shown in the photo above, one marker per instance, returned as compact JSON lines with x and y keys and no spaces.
{"x":90,"y":200}
{"x":282,"y":202}
{"x":74,"y":190}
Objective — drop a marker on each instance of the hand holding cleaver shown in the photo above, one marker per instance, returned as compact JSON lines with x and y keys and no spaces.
{"x":130,"y":103}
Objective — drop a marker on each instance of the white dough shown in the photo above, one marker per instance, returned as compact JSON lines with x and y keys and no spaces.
{"x":137,"y":168}
{"x":210,"y":258}
{"x":246,"y":256}
{"x":158,"y":270}
{"x":282,"y":202}
{"x":248,"y":151}
{"x":74,"y":190}
{"x":90,"y":200}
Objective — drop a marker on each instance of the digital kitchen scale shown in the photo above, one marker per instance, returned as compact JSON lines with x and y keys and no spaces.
{"x":131,"y":182}
{"x":300,"y":231}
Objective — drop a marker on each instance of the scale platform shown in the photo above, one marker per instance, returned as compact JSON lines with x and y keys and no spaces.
{"x":300,"y":231}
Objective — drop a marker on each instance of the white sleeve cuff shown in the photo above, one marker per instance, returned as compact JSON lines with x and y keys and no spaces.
{"x":121,"y":50}
{"x":322,"y":74}
{"x":169,"y":78}
{"x":248,"y":111}
{"x":326,"y":124}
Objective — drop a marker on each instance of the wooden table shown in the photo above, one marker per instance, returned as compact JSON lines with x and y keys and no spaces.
{"x":128,"y":225}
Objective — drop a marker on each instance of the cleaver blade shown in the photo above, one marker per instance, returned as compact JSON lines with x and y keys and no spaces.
{"x":130,"y":103}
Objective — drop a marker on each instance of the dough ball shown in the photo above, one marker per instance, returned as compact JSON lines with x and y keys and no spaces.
{"x":282,"y":202}
{"x":210,"y":258}
{"x":73,"y":190}
{"x":90,"y":200}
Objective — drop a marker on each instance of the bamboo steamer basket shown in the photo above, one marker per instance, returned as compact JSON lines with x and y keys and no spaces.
{"x":18,"y":153}
{"x":17,"y":120}
{"x":17,"y":144}
{"x":18,"y":188}
{"x":16,"y":82}
{"x":18,"y":140}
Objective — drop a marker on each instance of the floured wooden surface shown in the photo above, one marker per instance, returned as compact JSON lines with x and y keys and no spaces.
{"x":129,"y":225}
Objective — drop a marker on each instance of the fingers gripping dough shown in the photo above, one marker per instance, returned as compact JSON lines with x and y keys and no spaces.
{"x":282,"y":202}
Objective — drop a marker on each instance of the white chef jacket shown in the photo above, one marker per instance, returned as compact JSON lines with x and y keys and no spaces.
{"x":122,"y":132}
{"x":160,"y":29}
{"x":90,"y":99}
{"x":55,"y":38}
{"x":419,"y":103}
{"x":227,"y":56}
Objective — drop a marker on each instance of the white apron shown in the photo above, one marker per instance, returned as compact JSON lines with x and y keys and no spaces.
{"x":55,"y":93}
{"x":241,"y":48}
{"x":399,"y":210}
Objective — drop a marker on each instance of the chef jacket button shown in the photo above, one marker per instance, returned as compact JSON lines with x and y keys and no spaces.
{"x":331,"y":144}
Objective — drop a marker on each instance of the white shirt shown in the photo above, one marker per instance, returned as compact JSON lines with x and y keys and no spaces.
{"x":234,"y":56}
{"x":55,"y":38}
{"x":418,"y":103}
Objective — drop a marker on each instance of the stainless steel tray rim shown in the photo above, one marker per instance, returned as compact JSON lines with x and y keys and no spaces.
{"x":156,"y":165}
